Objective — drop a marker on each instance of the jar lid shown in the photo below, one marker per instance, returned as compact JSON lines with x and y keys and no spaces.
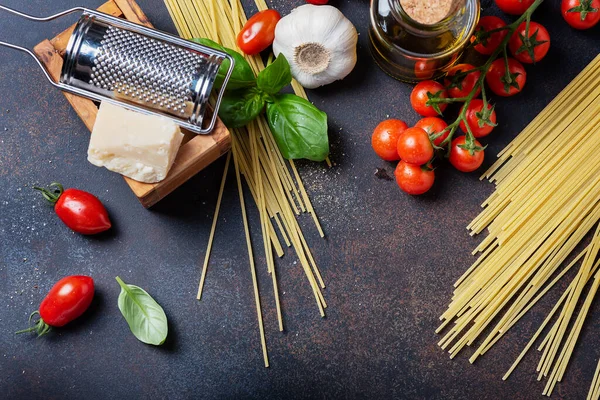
{"x":430,"y":12}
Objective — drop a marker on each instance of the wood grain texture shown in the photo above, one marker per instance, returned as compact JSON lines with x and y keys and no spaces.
{"x":196,"y":152}
{"x":132,"y":11}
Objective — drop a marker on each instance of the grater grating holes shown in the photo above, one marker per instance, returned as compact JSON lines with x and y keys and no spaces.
{"x":145,"y":69}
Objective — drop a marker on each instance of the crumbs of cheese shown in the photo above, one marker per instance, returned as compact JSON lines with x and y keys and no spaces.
{"x":141,"y":147}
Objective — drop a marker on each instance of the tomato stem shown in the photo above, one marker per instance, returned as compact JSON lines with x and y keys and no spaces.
{"x":462,"y":117}
{"x":52,"y":195}
{"x":40,"y":327}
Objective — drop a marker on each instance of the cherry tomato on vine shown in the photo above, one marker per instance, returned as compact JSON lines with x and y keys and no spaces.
{"x":317,"y":2}
{"x":414,"y":146}
{"x":488,"y":43}
{"x":514,"y":7}
{"x":433,"y":126}
{"x":463,"y":86}
{"x":581,"y":14}
{"x":481,"y":123}
{"x":463,"y":159}
{"x":81,"y":211}
{"x":414,"y":179}
{"x":537,"y":43}
{"x":499,"y":83}
{"x":423,"y":92}
{"x":385,"y":138}
{"x":66,"y":301}
{"x":259,"y":32}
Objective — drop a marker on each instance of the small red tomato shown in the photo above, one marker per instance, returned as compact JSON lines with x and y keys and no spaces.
{"x":385,"y":138}
{"x":463,"y":86}
{"x":581,"y":14}
{"x":422,"y":93}
{"x":81,"y":211}
{"x":481,"y":125}
{"x":414,"y":146}
{"x":502,"y":85}
{"x":424,"y":69}
{"x":488,"y":43}
{"x":433,"y":126}
{"x":514,"y":7}
{"x":414,"y":179}
{"x":536,"y":44}
{"x":259,"y":32}
{"x":317,"y":2}
{"x":465,"y":160}
{"x":66,"y":301}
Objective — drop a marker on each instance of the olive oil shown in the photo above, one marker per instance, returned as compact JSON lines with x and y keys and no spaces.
{"x":410,"y":50}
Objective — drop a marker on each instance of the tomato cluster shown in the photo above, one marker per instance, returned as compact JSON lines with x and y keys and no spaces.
{"x":393,"y":140}
{"x":415,"y":147}
{"x":580,"y":14}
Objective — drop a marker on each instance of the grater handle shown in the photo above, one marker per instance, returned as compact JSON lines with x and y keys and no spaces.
{"x":25,"y":50}
{"x":40,"y":19}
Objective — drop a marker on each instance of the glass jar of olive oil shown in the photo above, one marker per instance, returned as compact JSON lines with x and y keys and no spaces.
{"x":411,"y":42}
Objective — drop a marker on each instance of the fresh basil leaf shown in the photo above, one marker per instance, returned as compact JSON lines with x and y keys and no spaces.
{"x":299,"y":128}
{"x":146,"y":318}
{"x":276,"y":76}
{"x":242,"y":75}
{"x":241,"y":107}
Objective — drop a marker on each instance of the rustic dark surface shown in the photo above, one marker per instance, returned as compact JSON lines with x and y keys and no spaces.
{"x":389,"y":259}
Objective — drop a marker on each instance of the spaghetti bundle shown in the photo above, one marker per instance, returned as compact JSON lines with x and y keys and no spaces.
{"x":274,"y":182}
{"x":547,"y":199}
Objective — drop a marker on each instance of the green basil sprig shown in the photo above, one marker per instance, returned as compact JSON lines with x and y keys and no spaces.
{"x":299,"y":128}
{"x":276,"y":76}
{"x":146,"y":318}
{"x":240,"y":107}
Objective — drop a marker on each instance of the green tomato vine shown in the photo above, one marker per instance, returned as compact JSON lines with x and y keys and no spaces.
{"x":508,"y":79}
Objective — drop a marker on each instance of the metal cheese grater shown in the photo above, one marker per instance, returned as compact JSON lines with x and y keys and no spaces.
{"x":142,"y":69}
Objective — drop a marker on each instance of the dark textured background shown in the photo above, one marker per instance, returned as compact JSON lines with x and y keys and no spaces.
{"x":389,"y":259}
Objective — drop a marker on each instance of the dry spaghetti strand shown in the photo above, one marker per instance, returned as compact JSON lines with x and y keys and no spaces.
{"x":543,"y":207}
{"x":273,"y":182}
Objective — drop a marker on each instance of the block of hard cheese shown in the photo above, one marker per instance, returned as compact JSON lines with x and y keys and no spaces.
{"x":139,"y":146}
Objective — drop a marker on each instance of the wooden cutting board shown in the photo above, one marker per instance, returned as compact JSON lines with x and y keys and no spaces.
{"x":196,"y":152}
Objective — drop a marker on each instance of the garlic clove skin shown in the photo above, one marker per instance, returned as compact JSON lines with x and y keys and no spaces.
{"x":319,"y":42}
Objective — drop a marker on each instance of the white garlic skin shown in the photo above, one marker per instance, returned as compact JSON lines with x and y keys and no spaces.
{"x":324,"y":25}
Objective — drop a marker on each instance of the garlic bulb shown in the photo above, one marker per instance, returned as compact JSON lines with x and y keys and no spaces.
{"x":319,"y":42}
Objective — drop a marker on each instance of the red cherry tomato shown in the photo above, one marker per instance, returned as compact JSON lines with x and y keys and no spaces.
{"x":414,"y":179}
{"x":424,"y":69}
{"x":259,"y":32}
{"x":414,"y":146}
{"x":487,"y":44}
{"x":514,"y":7}
{"x":422,"y":93}
{"x":317,"y":2}
{"x":66,"y":301}
{"x":497,"y":81}
{"x":479,"y":128}
{"x":581,"y":14}
{"x":433,"y":126}
{"x":463,"y":87}
{"x":385,"y":138}
{"x":462,"y":159}
{"x":539,"y":43}
{"x":81,"y":211}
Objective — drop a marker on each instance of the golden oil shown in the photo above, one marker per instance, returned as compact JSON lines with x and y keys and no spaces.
{"x":412,"y":51}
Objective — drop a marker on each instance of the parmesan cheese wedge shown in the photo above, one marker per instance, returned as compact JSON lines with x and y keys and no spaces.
{"x":141,"y":147}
